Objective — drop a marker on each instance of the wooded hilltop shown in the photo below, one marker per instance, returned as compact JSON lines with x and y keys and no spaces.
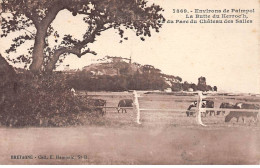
{"x":120,"y":74}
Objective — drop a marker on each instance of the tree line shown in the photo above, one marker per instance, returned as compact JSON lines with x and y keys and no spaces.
{"x":146,"y":77}
{"x":136,"y":81}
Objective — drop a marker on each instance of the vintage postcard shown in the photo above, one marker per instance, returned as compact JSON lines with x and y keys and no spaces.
{"x":130,"y":82}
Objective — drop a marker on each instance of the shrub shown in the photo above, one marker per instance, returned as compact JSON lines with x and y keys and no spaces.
{"x":44,"y":100}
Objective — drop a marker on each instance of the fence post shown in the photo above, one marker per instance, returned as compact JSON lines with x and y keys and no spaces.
{"x":199,"y":105}
{"x":136,"y":107}
{"x":258,"y":116}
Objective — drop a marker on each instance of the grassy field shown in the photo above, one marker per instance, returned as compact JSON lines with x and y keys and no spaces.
{"x":134,"y":145}
{"x":162,"y":116}
{"x":164,"y":137}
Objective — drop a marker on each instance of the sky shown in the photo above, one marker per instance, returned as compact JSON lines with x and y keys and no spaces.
{"x":226,"y":54}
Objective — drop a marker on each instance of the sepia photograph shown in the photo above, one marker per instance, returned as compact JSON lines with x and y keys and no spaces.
{"x":130,"y":82}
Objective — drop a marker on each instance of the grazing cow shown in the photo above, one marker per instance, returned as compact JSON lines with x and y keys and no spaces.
{"x":99,"y":106}
{"x":189,"y":112}
{"x":243,"y":114}
{"x":124,"y":103}
{"x":225,"y":106}
{"x":205,"y":104}
{"x":208,"y":104}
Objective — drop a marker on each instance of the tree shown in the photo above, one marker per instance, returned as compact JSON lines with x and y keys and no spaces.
{"x":177,"y":87}
{"x":194,"y":87}
{"x":209,"y":88}
{"x":186,"y":86}
{"x":99,"y":16}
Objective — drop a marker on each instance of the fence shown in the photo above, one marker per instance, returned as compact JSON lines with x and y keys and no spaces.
{"x":152,"y":102}
{"x":215,"y":97}
{"x":235,"y":98}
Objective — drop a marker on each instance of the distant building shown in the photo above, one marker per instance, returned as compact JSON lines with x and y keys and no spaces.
{"x":96,"y":72}
{"x":190,"y":90}
{"x":171,"y":78}
{"x":101,"y":69}
{"x":202,"y":81}
{"x":168,"y":90}
{"x":112,"y":66}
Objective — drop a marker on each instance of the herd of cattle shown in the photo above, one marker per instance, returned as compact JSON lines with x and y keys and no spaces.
{"x":100,"y":105}
{"x":232,"y":114}
{"x":124,"y":103}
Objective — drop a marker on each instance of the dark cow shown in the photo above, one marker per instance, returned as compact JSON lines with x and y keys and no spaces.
{"x":124,"y":103}
{"x":242,"y":114}
{"x":208,"y":104}
{"x":99,"y":106}
{"x":225,"y":106}
{"x":189,"y":112}
{"x":205,"y":104}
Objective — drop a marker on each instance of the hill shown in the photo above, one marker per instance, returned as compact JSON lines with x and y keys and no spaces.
{"x":119,"y":74}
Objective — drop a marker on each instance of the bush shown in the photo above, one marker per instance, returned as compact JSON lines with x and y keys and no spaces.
{"x":44,"y":100}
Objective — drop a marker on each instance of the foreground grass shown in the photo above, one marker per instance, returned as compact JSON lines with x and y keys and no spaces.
{"x":132,"y":145}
